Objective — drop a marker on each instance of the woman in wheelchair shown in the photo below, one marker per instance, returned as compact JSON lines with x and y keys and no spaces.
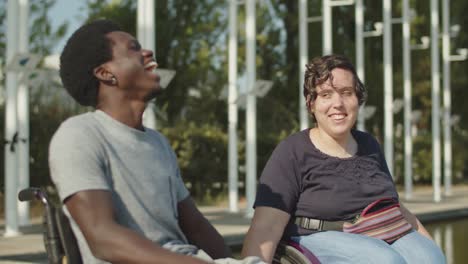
{"x":328,"y":188}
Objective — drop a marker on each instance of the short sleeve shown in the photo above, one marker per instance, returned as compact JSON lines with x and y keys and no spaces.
{"x":180,"y":189}
{"x":375,"y":145}
{"x":279,"y":185}
{"x":76,"y":160}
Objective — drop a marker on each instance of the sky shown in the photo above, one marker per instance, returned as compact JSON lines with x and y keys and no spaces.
{"x":66,"y":10}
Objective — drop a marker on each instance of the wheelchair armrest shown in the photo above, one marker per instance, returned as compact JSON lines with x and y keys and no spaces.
{"x":33,"y":193}
{"x":59,"y":240}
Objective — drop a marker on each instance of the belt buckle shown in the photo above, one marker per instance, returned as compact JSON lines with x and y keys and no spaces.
{"x":305,"y":222}
{"x":320,"y":225}
{"x":356,"y":218}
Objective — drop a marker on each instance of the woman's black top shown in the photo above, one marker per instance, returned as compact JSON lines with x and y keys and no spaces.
{"x":303,"y":181}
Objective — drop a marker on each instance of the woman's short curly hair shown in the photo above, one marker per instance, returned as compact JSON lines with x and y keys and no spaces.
{"x":87,"y":48}
{"x":318,"y":71}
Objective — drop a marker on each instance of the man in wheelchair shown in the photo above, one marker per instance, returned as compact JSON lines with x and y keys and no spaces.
{"x":118,"y":180}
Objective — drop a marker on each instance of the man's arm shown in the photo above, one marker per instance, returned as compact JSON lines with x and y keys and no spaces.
{"x":93,"y":212}
{"x":264,"y":233}
{"x":413,"y":220}
{"x":199,"y":231}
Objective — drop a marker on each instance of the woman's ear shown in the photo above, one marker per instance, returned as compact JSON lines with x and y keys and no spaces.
{"x":309,"y":102}
{"x":104,"y":76}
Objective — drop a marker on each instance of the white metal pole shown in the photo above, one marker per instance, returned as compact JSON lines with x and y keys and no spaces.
{"x":146,"y":36}
{"x":359,"y":24}
{"x":232,"y":110}
{"x":447,"y":97}
{"x":327,"y":36}
{"x":251,"y":122}
{"x":23,"y":115}
{"x":436,"y":166}
{"x":141,"y":21}
{"x":407,"y":90}
{"x":150,"y":27}
{"x":303,"y":57}
{"x":388,"y":84}
{"x":449,"y":245}
{"x":11,"y":125}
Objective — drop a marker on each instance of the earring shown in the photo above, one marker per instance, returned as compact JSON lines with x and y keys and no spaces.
{"x":113,"y":81}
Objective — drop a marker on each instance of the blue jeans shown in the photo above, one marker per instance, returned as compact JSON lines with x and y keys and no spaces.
{"x":339,"y":247}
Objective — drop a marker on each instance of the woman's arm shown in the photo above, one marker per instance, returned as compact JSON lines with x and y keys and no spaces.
{"x":413,"y":220}
{"x":264,"y":233}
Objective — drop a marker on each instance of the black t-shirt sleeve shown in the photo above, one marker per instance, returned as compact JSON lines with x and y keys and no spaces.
{"x":374,"y":145}
{"x":279,"y":185}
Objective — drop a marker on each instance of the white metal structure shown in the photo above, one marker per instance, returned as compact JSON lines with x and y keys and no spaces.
{"x":146,"y":30}
{"x":251,"y":111}
{"x":410,"y":116}
{"x":303,"y":57}
{"x":327,"y":27}
{"x":11,"y":124}
{"x":233,"y":176}
{"x":435,"y":73}
{"x":446,"y":98}
{"x":407,"y":90}
{"x":388,"y":84}
{"x":360,"y":35}
{"x":23,"y":114}
{"x":303,"y":22}
{"x":359,"y":27}
{"x":146,"y":35}
{"x":447,"y":58}
{"x":327,"y":24}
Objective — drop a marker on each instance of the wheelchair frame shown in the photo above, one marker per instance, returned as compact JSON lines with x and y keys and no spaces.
{"x":59,"y":240}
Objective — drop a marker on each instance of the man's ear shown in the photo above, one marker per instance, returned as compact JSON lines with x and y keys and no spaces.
{"x":105,"y":76}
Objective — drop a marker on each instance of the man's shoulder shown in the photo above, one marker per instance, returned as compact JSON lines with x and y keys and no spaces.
{"x":80,"y":121}
{"x":75,"y":127}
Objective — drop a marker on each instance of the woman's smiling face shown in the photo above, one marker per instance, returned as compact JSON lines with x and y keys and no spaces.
{"x":336,"y":106}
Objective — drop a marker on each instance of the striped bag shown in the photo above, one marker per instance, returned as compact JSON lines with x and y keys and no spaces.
{"x":381,"y":219}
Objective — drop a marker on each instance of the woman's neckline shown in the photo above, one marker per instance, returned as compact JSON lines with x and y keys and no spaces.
{"x":314,"y":147}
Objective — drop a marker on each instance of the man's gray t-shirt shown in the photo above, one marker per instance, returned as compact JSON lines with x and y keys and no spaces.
{"x":93,"y":151}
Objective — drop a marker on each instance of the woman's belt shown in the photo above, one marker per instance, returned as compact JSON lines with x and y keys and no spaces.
{"x":317,"y":224}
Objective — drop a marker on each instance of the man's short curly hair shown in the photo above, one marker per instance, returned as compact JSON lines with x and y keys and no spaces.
{"x":318,"y":71}
{"x":87,"y":48}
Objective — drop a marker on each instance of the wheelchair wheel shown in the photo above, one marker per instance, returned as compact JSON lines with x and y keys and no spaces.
{"x":287,"y":254}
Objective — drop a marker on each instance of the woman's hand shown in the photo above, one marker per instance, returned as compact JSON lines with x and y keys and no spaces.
{"x":413,"y":220}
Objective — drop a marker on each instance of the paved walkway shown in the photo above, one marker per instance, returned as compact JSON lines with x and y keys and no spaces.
{"x":29,"y":248}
